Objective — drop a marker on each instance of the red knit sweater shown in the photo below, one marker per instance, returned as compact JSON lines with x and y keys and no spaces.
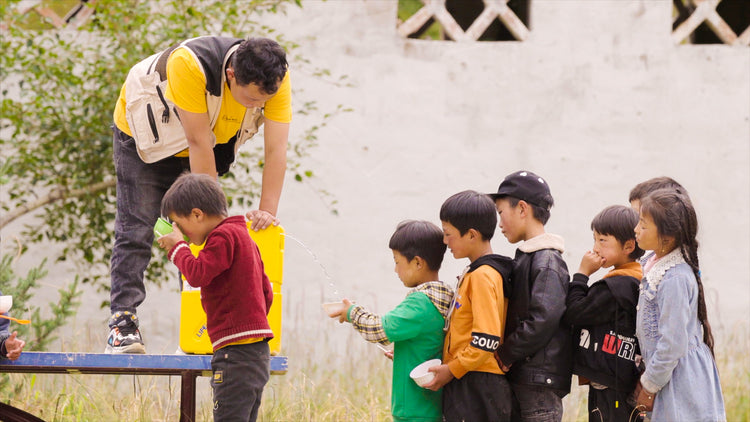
{"x":235,"y":292}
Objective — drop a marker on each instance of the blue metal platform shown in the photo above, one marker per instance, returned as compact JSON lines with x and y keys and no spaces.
{"x":188,"y":367}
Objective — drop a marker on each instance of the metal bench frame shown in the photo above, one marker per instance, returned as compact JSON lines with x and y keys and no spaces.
{"x":188,"y":367}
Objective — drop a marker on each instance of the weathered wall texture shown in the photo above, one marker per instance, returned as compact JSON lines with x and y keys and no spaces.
{"x":597,"y":100}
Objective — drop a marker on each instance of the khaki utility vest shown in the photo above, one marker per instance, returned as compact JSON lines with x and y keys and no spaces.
{"x":153,"y":118}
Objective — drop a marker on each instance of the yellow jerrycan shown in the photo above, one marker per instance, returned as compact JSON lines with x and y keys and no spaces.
{"x":193,"y":333}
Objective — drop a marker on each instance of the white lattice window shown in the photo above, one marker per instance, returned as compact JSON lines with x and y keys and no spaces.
{"x":711,"y":22}
{"x":464,"y":20}
{"x":58,"y":14}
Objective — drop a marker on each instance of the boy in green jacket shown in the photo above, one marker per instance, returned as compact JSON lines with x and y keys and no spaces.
{"x":415,"y":326}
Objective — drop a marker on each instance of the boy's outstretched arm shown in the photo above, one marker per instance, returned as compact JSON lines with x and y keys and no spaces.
{"x":369,"y":325}
{"x":343,"y":315}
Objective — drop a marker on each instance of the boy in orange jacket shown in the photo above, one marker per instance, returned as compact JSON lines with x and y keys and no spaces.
{"x":475,"y":388}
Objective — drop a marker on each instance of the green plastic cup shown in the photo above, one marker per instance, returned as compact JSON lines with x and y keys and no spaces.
{"x":162,"y":227}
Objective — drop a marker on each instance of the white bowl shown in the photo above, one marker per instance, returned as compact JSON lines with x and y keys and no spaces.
{"x":6,"y":302}
{"x":420,"y":373}
{"x":333,"y":308}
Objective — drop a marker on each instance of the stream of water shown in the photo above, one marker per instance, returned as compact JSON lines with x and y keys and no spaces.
{"x":334,"y":290}
{"x":331,"y":284}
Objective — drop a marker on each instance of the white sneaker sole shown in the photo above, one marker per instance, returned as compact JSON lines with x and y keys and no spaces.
{"x":134,"y":349}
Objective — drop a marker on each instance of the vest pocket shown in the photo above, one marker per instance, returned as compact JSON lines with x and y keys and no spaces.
{"x":152,"y":123}
{"x":157,"y":136}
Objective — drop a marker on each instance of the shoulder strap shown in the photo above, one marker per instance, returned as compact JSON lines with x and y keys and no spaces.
{"x":161,"y":62}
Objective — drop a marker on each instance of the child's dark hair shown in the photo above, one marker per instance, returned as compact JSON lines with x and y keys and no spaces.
{"x":470,"y":210}
{"x":618,"y":221}
{"x":260,"y":61}
{"x":643,"y":189}
{"x":419,"y":238}
{"x":540,"y":213}
{"x":674,"y":216}
{"x":193,"y":190}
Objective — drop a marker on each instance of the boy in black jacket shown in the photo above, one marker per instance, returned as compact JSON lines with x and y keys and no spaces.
{"x":603,"y":315}
{"x":537,"y":352}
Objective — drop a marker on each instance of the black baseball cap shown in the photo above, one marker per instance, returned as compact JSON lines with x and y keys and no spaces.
{"x":525,"y":186}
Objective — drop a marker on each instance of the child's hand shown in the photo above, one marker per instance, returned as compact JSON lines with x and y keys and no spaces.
{"x":443,"y":376}
{"x":14,"y":346}
{"x":388,"y":354}
{"x":503,"y":366}
{"x":644,"y":399}
{"x":343,"y":317}
{"x":590,"y":263}
{"x":168,"y":241}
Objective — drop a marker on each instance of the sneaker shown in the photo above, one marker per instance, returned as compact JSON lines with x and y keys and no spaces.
{"x":124,"y":336}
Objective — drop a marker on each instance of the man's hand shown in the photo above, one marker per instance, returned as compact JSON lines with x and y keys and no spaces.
{"x":261,"y":219}
{"x":14,"y":346}
{"x":443,"y":376}
{"x":590,"y":263}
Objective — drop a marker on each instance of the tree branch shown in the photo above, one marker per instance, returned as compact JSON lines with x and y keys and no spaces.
{"x":56,"y":194}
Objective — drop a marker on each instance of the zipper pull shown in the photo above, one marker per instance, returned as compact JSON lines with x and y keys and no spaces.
{"x":165,"y":113}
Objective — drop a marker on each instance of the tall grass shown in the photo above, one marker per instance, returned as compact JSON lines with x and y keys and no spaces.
{"x":732,"y":352}
{"x":322,"y":384}
{"x":325,"y":382}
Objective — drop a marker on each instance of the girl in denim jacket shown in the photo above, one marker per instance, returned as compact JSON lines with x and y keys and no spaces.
{"x":681,"y":382}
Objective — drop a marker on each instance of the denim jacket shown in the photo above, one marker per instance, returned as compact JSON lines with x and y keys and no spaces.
{"x":679,"y":365}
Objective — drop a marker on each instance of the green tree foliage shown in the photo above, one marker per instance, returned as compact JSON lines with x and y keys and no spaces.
{"x":59,"y":88}
{"x":41,"y":332}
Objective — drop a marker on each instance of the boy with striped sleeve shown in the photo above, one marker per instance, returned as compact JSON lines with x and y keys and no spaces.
{"x":415,"y":326}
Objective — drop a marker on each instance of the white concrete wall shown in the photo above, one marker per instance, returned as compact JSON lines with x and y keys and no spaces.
{"x":597,"y":100}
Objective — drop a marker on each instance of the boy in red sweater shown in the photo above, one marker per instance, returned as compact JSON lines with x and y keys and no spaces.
{"x":235,"y":291}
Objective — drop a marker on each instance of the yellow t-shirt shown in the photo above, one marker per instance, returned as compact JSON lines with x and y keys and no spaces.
{"x":245,"y":341}
{"x":186,"y":87}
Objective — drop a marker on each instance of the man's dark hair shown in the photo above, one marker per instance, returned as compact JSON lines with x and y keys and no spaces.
{"x":414,"y":238}
{"x":541,"y":214}
{"x":618,"y":221}
{"x":470,"y":210}
{"x":643,"y":189}
{"x":193,"y":190}
{"x":260,"y":61}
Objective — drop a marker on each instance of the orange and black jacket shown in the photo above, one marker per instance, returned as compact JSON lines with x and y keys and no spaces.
{"x":477,"y":317}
